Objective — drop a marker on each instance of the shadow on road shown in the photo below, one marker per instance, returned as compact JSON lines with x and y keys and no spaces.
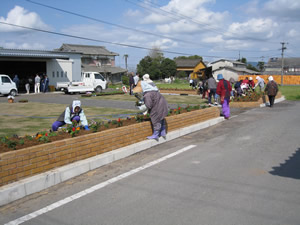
{"x":290,"y":168}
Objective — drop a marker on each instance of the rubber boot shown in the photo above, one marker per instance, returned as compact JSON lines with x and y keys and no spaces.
{"x":163,"y":132}
{"x":154,"y":135}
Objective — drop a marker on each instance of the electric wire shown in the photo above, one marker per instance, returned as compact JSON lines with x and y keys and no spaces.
{"x":96,"y":40}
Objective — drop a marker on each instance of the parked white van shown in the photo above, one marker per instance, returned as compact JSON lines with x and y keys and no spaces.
{"x":7,"y":86}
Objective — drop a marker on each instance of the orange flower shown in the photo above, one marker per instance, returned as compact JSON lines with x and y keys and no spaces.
{"x":78,"y":128}
{"x":38,"y":136}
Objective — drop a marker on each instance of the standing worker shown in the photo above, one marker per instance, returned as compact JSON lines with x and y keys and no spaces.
{"x":223,"y":90}
{"x":156,"y":105}
{"x":271,"y":90}
{"x":37,"y":83}
{"x":212,"y":88}
{"x":17,"y":81}
{"x":46,"y":84}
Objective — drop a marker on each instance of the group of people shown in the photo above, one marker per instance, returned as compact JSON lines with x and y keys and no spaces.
{"x":154,"y":103}
{"x":157,"y":107}
{"x":41,"y":84}
{"x":222,"y":90}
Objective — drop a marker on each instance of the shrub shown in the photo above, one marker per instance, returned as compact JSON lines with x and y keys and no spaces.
{"x":125,"y":80}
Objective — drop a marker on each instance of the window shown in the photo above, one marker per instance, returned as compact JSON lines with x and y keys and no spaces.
{"x":5,"y":80}
{"x":99,"y":76}
{"x":57,"y":74}
{"x":66,"y":73}
{"x":62,"y":74}
{"x":53,"y":74}
{"x":87,"y":75}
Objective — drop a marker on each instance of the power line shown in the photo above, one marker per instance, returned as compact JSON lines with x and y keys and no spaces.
{"x":109,"y":23}
{"x":96,"y":40}
{"x":178,"y":14}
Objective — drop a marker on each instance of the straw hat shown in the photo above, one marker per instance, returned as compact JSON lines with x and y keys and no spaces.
{"x":138,"y":88}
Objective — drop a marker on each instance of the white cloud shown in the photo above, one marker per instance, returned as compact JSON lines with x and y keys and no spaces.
{"x":22,"y":17}
{"x":14,"y":45}
{"x":180,"y":17}
{"x":292,"y":33}
{"x":260,"y":28}
{"x":287,"y":9}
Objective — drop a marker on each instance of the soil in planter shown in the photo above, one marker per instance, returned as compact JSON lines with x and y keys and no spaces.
{"x":16,"y":143}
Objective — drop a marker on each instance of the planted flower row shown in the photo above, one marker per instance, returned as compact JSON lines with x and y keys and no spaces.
{"x":72,"y":130}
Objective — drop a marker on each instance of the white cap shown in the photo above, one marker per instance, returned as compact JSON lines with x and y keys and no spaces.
{"x":257,"y":77}
{"x":146,"y":78}
{"x":76,"y":103}
{"x":250,"y":78}
{"x":270,"y":78}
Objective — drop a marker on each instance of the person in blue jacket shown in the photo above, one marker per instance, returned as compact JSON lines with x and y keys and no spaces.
{"x":72,"y":112}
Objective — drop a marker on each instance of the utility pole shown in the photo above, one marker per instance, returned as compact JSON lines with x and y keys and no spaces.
{"x":282,"y":51}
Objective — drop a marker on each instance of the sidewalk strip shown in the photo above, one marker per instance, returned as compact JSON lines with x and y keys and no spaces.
{"x":95,"y":188}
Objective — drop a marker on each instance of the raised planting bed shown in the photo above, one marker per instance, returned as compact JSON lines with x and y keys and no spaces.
{"x":249,"y":103}
{"x":26,"y":162}
{"x":179,"y":91}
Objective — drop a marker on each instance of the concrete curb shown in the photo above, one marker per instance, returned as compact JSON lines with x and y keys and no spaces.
{"x":276,"y":101}
{"x":27,"y":186}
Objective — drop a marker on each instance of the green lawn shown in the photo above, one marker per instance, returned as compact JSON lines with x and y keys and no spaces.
{"x":290,"y":92}
{"x":30,"y":118}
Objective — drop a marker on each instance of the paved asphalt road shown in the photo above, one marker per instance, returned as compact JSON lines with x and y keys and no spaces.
{"x":243,"y":171}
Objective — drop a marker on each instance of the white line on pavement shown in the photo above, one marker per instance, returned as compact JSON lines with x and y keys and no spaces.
{"x":95,"y":188}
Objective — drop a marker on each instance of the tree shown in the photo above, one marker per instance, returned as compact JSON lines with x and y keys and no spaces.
{"x":261,"y":66}
{"x":189,"y":57}
{"x":126,"y":56}
{"x":250,"y":67}
{"x":157,"y":68}
{"x":168,"y":68}
{"x":155,"y":53}
{"x":243,"y":60}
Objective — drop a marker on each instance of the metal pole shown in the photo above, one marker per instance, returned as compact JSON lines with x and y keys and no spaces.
{"x":282,"y":50}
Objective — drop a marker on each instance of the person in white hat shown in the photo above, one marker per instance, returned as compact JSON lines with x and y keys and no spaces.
{"x":260,"y":83}
{"x":72,"y":112}
{"x":156,"y":105}
{"x":271,"y":90}
{"x":251,"y":82}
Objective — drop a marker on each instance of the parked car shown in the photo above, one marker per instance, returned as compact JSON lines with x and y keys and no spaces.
{"x":90,"y":81}
{"x":7,"y":86}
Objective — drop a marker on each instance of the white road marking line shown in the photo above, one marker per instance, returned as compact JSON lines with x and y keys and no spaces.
{"x":95,"y":188}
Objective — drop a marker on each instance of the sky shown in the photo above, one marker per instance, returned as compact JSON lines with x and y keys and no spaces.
{"x":213,"y":29}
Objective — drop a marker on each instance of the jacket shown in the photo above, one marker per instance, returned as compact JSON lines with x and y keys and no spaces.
{"x":68,"y":114}
{"x":224,"y":89}
{"x":271,"y":88}
{"x":157,"y":106}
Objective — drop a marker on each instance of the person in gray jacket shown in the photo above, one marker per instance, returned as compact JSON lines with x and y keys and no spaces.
{"x":212,"y":88}
{"x":72,"y":112}
{"x":156,"y":104}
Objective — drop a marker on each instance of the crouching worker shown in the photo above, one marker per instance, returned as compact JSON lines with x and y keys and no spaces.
{"x":72,"y":112}
{"x":156,"y":105}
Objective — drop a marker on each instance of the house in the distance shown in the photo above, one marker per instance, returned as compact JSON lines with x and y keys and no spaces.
{"x":97,"y":59}
{"x":291,"y":66}
{"x":190,"y":67}
{"x":230,"y":69}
